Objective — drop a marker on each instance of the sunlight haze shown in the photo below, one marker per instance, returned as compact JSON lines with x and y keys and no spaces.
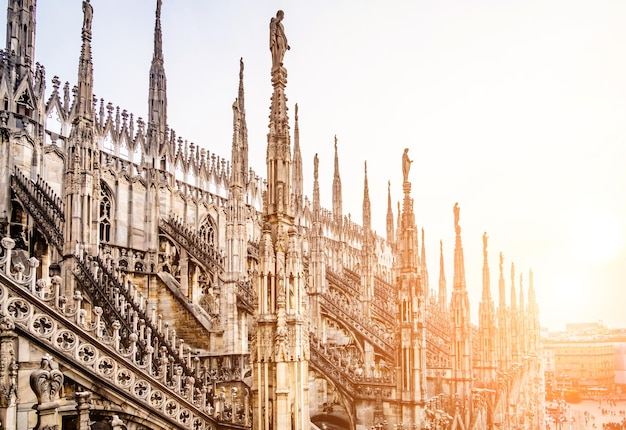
{"x":516,"y":110}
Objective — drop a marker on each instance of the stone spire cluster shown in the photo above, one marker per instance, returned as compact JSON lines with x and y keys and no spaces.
{"x":236,"y":270}
{"x":367,"y":204}
{"x":240,"y":137}
{"x":487,"y":325}
{"x":215,"y":279}
{"x":389,"y":220}
{"x":297,"y":175}
{"x":84,"y":100}
{"x":461,"y":341}
{"x":442,"y":293}
{"x":157,"y":98}
{"x":156,"y":149}
{"x":20,"y":39}
{"x":412,"y":298}
{"x":82,"y":189}
{"x":280,"y":351}
{"x":337,"y":192}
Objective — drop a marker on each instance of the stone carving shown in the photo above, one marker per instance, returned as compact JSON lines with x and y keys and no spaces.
{"x":281,"y":346}
{"x":8,"y":373}
{"x":6,"y":324}
{"x":211,"y":302}
{"x":457,"y":212}
{"x":88,"y":11}
{"x":278,"y":40}
{"x":117,"y":423}
{"x":46,"y":381}
{"x":406,"y":164}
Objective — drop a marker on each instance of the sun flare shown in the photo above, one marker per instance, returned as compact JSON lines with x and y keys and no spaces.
{"x":597,"y":237}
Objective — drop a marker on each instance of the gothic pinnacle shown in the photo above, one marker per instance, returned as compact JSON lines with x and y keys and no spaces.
{"x":157,"y":92}
{"x":367,"y":206}
{"x":337,"y":190}
{"x":85,"y":67}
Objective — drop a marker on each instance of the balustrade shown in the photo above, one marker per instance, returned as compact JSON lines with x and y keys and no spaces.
{"x":350,"y":379}
{"x":42,"y":204}
{"x":344,"y":284}
{"x":195,"y":245}
{"x":354,"y":319}
{"x":246,"y":295}
{"x":151,"y":365}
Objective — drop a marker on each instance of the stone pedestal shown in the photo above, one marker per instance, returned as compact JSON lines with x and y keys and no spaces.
{"x":46,"y":383}
{"x":47,"y":416}
{"x":83,"y":400}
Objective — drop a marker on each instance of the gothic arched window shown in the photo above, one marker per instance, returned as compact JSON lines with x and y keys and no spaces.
{"x":105,"y":216}
{"x":207,"y":231}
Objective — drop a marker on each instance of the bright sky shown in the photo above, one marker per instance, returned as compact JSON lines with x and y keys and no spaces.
{"x":517,"y":110}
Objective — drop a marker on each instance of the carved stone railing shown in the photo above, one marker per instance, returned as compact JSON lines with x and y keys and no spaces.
{"x":433,"y":333}
{"x":383,"y":290}
{"x":437,"y":327}
{"x":345,"y":284}
{"x":66,"y":329}
{"x":435,"y":348}
{"x":126,"y":259}
{"x":350,"y":383}
{"x":246,"y":296}
{"x":253,"y":250}
{"x":331,"y":371}
{"x":385,"y":294}
{"x":351,"y":276}
{"x":127,"y":307}
{"x":385,"y":312}
{"x":362,"y":326}
{"x":42,"y":204}
{"x":105,"y":292}
{"x":437,"y":324}
{"x":348,"y":284}
{"x":194,"y":244}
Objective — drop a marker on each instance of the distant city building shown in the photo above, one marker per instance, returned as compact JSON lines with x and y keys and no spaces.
{"x":620,"y":366}
{"x":587,"y":357}
{"x":582,"y":329}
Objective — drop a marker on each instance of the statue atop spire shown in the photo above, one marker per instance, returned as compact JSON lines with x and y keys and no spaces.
{"x":485,"y":237}
{"x":87,"y":16}
{"x":457,"y":212}
{"x":406,"y":164}
{"x":278,"y":40}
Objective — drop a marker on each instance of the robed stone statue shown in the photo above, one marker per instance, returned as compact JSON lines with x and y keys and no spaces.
{"x":278,"y":40}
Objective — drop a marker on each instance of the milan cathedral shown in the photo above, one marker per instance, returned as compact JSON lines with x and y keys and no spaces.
{"x":147,"y":283}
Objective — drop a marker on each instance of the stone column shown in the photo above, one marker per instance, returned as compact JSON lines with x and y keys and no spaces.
{"x":46,"y":383}
{"x":246,"y":408}
{"x":8,"y":375}
{"x":83,"y":405}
